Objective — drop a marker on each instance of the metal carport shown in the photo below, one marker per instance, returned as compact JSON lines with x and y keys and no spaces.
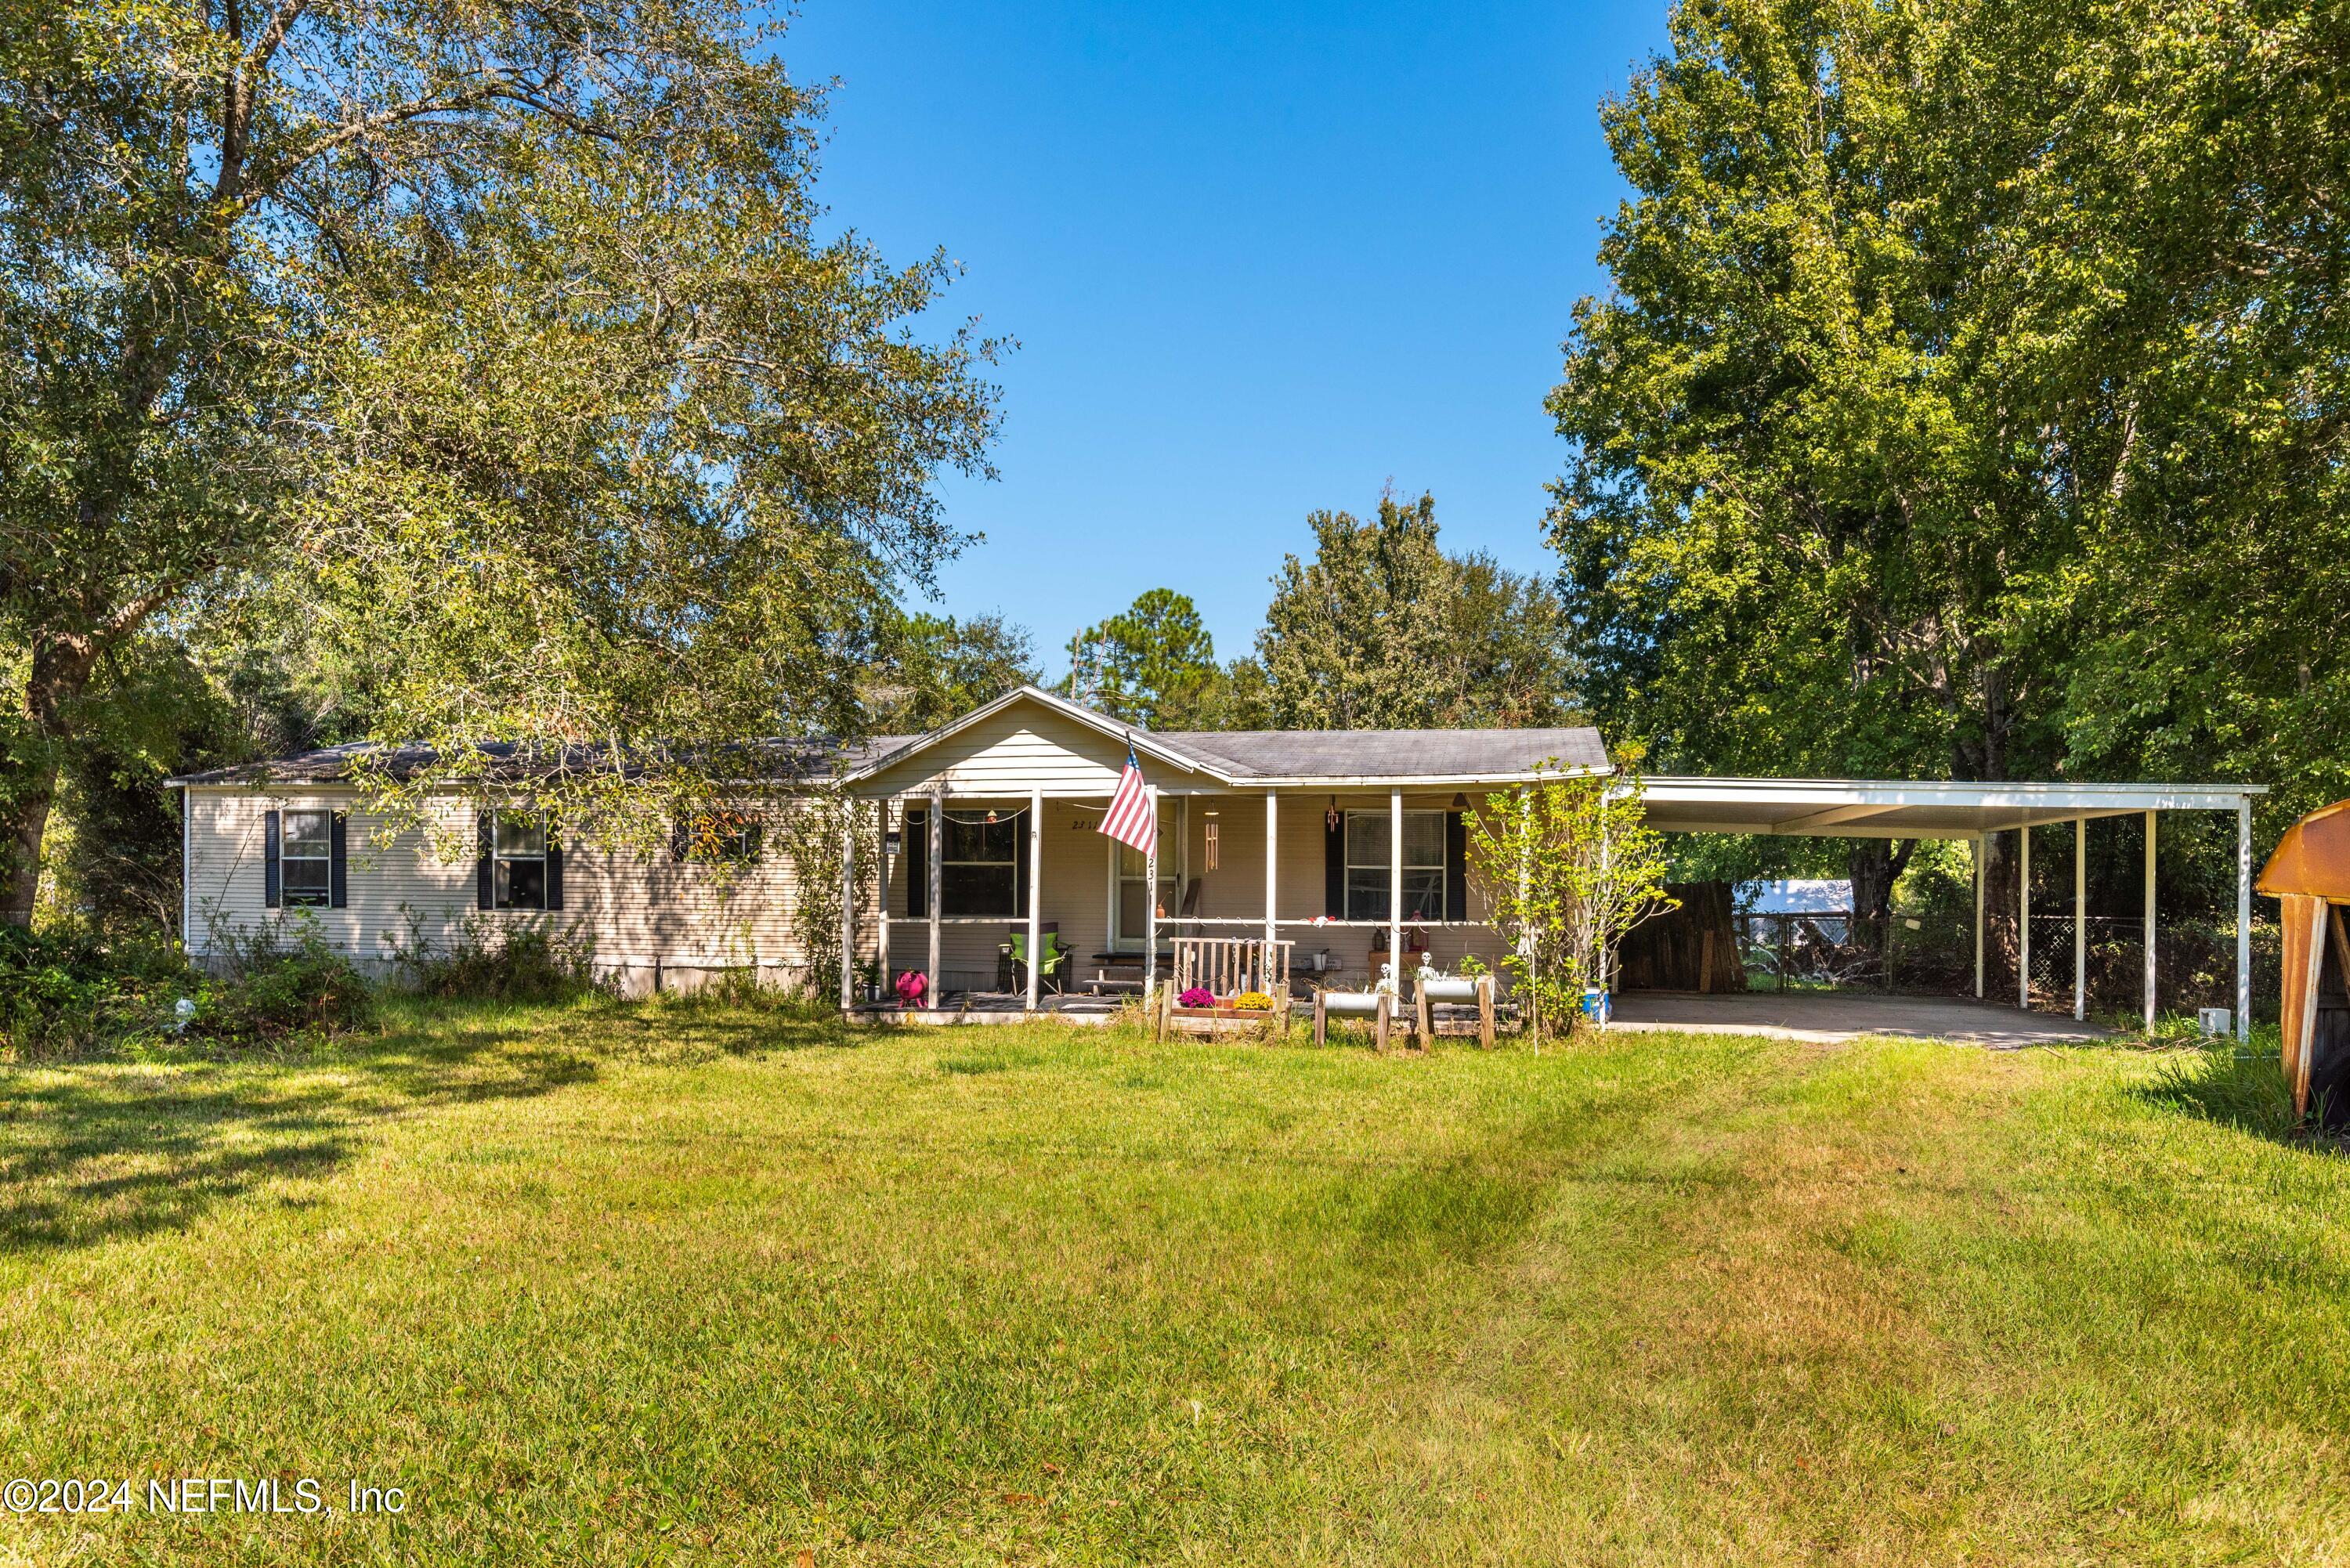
{"x":1894,"y":808}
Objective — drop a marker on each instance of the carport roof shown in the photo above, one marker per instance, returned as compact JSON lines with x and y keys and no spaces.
{"x":1895,"y":808}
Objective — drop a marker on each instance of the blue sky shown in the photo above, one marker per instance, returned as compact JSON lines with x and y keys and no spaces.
{"x":1259,"y":259}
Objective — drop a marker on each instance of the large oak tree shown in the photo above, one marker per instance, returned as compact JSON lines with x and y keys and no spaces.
{"x":494,"y":338}
{"x":1967,"y":401}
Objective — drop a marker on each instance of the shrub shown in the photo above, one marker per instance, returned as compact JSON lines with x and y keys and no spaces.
{"x":280,"y":980}
{"x":65,"y":990}
{"x":526,"y":960}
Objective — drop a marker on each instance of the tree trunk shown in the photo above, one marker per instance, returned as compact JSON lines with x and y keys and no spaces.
{"x":59,"y":669}
{"x":1875,"y":865}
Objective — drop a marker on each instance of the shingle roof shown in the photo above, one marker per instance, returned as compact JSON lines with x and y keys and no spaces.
{"x":1314,"y":756}
{"x":1307,"y":755}
{"x":500,"y":760}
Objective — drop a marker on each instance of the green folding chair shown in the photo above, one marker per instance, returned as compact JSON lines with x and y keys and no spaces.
{"x":1049,"y":973}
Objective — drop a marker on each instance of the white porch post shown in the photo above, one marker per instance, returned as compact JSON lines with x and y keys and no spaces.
{"x":1151,"y":903}
{"x":1395,"y":886}
{"x":2244,"y":918}
{"x":2023,"y":917}
{"x":2080,"y":918}
{"x":1272,"y":854}
{"x":1978,"y":916}
{"x":881,"y":895}
{"x":936,"y":828}
{"x":1035,"y":890}
{"x":849,"y":910}
{"x":2149,"y":922}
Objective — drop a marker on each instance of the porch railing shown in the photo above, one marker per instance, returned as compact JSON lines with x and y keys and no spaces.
{"x":1230,"y":965}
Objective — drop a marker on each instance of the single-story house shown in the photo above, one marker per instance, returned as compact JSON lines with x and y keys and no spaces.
{"x":1349,"y":843}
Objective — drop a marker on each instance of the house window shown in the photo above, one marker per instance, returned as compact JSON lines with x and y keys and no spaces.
{"x":715,"y":835}
{"x":1366,"y":865}
{"x":518,"y":868}
{"x":305,"y":859}
{"x":978,"y":866}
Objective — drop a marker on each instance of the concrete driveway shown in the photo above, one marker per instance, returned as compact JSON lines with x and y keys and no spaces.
{"x":1831,"y":1019}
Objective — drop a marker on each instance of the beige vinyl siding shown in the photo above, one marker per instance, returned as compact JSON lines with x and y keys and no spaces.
{"x":655,"y":916}
{"x":224,"y":869}
{"x":639,"y":913}
{"x":1026,"y":746}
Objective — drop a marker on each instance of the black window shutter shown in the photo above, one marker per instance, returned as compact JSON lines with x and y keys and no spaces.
{"x":485,"y":872}
{"x":1456,"y":866}
{"x":754,"y":841}
{"x":918,"y":863}
{"x":1334,"y":868}
{"x":338,"y":877}
{"x":554,"y":869}
{"x":272,"y":875}
{"x":1020,"y":865}
{"x":680,"y":839}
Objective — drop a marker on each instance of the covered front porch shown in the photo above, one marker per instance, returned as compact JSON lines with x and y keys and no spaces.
{"x":986,"y":836}
{"x":972,"y":884}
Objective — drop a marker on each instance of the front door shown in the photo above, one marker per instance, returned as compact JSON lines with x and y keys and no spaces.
{"x":1129,"y":885}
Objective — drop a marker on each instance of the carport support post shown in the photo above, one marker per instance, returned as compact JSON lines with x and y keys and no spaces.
{"x":2244,"y":917}
{"x":1395,"y":887}
{"x":936,"y":828}
{"x":1979,"y":922}
{"x":2023,"y":917}
{"x":2149,"y":922}
{"x":1036,"y":891}
{"x":2080,"y":918}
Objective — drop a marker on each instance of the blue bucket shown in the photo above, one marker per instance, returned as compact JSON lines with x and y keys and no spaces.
{"x":1594,"y":1005}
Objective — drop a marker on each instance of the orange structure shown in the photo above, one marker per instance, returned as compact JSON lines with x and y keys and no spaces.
{"x":2309,"y":875}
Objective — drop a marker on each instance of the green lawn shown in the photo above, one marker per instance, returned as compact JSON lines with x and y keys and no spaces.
{"x":621,"y":1284}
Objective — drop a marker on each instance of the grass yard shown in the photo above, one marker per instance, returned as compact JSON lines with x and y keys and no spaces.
{"x":615,"y":1284}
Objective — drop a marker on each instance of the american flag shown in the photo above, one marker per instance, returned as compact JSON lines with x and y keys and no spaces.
{"x":1131,"y":818}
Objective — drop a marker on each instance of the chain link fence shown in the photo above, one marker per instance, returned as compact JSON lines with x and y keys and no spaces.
{"x":1934,"y":956}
